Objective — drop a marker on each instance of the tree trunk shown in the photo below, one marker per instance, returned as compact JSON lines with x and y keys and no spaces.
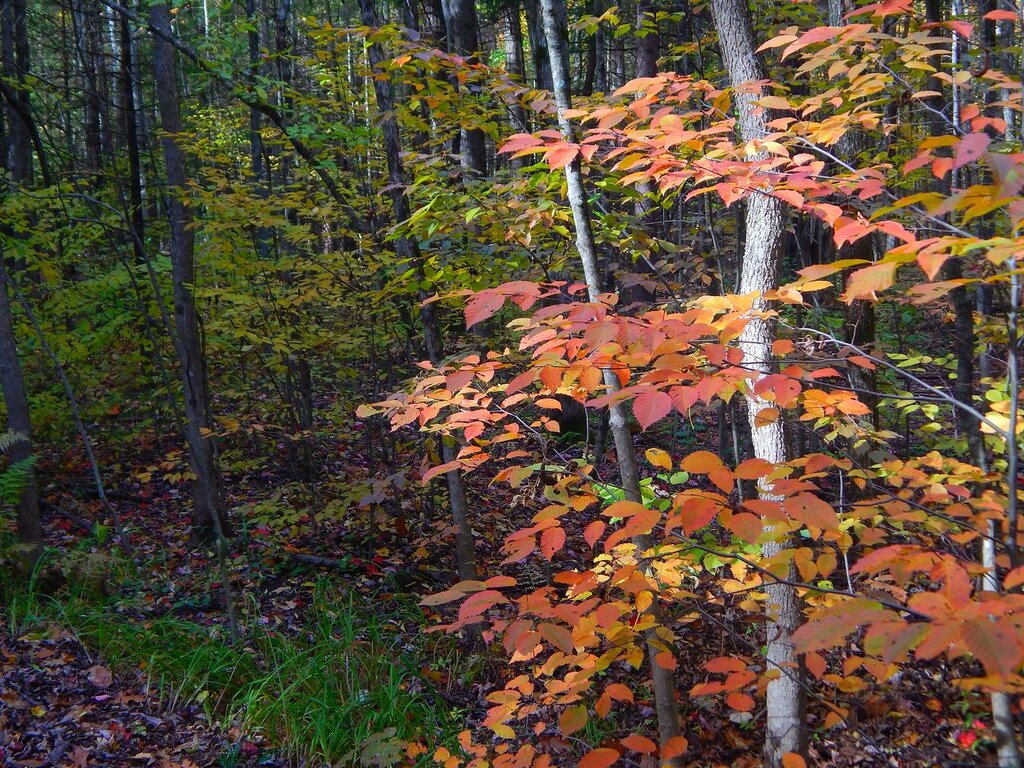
{"x":765,"y":221}
{"x":14,"y":31}
{"x":464,"y":39}
{"x":408,"y":251}
{"x":18,"y":164}
{"x":12,"y":384}
{"x":538,"y":45}
{"x":629,"y":470}
{"x":206,"y":522}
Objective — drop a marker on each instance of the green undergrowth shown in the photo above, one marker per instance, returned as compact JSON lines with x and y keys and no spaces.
{"x":343,"y":689}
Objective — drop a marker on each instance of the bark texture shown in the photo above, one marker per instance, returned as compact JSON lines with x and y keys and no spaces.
{"x":408,"y":250}
{"x":629,"y":472}
{"x":765,"y":224}
{"x":188,"y":334}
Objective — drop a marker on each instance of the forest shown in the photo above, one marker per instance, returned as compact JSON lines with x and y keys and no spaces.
{"x":511,"y":383}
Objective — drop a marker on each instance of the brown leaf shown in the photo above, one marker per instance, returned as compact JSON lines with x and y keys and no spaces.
{"x":80,"y":757}
{"x":99,"y":676}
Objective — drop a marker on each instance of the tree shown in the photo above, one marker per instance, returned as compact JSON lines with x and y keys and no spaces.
{"x":408,"y":251}
{"x":17,"y":162}
{"x":765,"y":222}
{"x":586,"y":247}
{"x":188,"y":340}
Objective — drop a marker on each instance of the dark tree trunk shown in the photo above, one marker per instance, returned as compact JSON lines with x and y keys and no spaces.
{"x":188,"y":337}
{"x":464,"y":39}
{"x":408,"y":250}
{"x":12,"y":384}
{"x":18,"y":164}
{"x":14,"y":26}
{"x":647,"y":39}
{"x":538,"y":45}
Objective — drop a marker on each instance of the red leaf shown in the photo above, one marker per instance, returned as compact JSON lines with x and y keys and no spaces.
{"x":551,"y":541}
{"x":593,"y":532}
{"x":561,"y":155}
{"x":970,"y":148}
{"x":651,"y":407}
{"x":482,"y":306}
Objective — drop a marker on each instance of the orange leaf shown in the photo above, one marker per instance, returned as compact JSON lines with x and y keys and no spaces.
{"x":573,"y":719}
{"x":480,"y":602}
{"x":808,"y":509}
{"x":665,"y":660}
{"x":741,"y":702}
{"x":560,"y":637}
{"x":700,"y":463}
{"x":723,"y":664}
{"x":599,"y":758}
{"x":593,"y":532}
{"x":551,"y":541}
{"x":815,"y":664}
{"x":793,"y":760}
{"x":673,"y":748}
{"x":865,"y":283}
{"x":658,"y":458}
{"x":745,"y":525}
{"x":1014,"y":578}
{"x":619,"y":692}
{"x":753,"y":469}
{"x":997,"y":648}
{"x":639,"y":744}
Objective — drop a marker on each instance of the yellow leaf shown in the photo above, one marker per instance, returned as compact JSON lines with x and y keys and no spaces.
{"x":659,"y":458}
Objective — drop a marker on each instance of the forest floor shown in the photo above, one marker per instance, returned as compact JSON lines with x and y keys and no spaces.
{"x":129,"y":663}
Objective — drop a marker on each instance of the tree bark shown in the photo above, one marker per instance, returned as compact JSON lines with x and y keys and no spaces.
{"x":12,"y":385}
{"x":765,"y":221}
{"x":408,"y":251}
{"x":464,"y":39}
{"x":206,"y":521}
{"x":538,"y":45}
{"x":17,"y":161}
{"x":629,"y":470}
{"x":15,"y":48}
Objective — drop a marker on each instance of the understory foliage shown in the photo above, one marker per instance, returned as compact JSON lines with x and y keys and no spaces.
{"x":887,"y":535}
{"x":364,"y":368}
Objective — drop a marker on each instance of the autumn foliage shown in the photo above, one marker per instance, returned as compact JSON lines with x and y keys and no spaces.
{"x":887,"y":562}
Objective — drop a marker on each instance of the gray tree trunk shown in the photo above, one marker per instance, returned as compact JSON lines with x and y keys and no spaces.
{"x":765,"y":221}
{"x":629,"y":470}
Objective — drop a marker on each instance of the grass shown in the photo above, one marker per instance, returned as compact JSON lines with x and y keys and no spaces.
{"x":345,"y":688}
